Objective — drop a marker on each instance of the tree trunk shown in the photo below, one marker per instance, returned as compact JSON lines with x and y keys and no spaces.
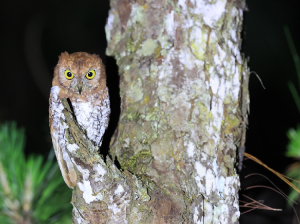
{"x":184,"y":100}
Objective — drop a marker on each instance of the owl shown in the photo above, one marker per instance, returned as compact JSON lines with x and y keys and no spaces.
{"x":79,"y":77}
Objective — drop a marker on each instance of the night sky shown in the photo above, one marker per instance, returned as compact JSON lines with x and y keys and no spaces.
{"x":34,"y":33}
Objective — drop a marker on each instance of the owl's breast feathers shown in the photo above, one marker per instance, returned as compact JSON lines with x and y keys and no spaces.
{"x":92,"y":114}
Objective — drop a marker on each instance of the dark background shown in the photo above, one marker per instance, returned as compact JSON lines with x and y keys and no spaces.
{"x":33,"y":34}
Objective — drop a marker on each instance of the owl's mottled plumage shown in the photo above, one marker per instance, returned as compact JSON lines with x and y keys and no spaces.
{"x":90,"y":102}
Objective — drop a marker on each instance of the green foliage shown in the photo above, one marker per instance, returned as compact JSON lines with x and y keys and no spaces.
{"x":31,"y":189}
{"x":293,"y":148}
{"x":297,"y":65}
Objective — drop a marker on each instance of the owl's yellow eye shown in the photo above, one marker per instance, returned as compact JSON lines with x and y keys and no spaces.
{"x":90,"y":74}
{"x":69,"y":74}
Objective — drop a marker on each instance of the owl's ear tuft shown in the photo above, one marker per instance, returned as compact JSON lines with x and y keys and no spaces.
{"x":96,"y":56}
{"x":97,"y":59}
{"x":63,"y":57}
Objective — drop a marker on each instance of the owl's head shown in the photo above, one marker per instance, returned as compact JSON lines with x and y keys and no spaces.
{"x":79,"y":72}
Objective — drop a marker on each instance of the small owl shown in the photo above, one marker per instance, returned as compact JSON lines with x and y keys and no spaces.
{"x":79,"y":77}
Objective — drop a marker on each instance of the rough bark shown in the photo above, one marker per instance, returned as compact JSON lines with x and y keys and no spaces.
{"x":184,"y":100}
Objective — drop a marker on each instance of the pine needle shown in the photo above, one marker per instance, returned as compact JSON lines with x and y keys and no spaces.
{"x":282,"y":177}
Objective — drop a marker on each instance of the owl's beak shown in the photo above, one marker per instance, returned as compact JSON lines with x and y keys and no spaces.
{"x":79,"y":87}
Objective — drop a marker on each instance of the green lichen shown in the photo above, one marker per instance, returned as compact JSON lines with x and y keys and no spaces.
{"x":164,"y":93}
{"x":148,"y":47}
{"x":223,"y":170}
{"x":157,"y":51}
{"x":227,"y":99}
{"x":146,"y":99}
{"x":144,"y":194}
{"x":154,"y":114}
{"x":130,"y":46}
{"x":165,"y":42}
{"x":228,"y":161}
{"x":69,"y":136}
{"x":135,"y":163}
{"x":127,"y":161}
{"x":198,"y":50}
{"x":199,"y":43}
{"x":131,"y":115}
{"x":234,"y":218}
{"x":204,"y":113}
{"x":153,"y":70}
{"x":135,"y":92}
{"x":114,"y":40}
{"x":135,"y":40}
{"x":139,"y":15}
{"x":231,"y":122}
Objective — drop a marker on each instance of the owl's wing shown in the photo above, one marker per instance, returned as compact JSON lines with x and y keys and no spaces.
{"x":66,"y":167}
{"x":57,"y":133}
